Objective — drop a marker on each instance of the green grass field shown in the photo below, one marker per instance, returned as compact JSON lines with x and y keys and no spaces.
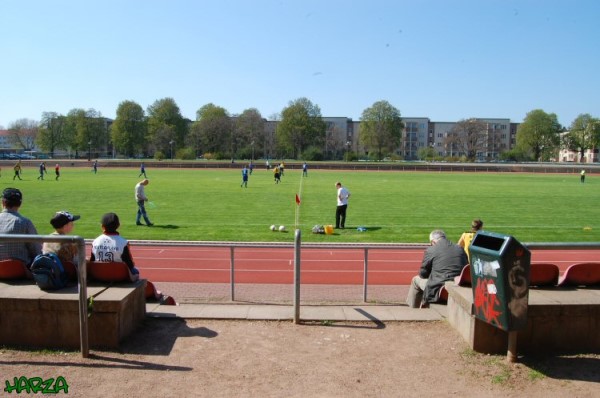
{"x":400,"y":207}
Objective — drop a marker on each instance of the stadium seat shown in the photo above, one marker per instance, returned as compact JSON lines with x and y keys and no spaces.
{"x":12,"y":269}
{"x":581,"y":274}
{"x":108,"y":272}
{"x":543,"y":274}
{"x":442,"y":295}
{"x":464,"y":279}
{"x":71,"y":270}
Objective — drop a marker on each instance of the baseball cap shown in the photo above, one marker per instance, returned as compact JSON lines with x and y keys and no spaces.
{"x":62,"y":218}
{"x":12,"y":194}
{"x":110,"y":221}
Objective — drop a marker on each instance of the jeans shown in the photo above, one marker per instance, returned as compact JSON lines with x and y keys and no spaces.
{"x":142,"y":213}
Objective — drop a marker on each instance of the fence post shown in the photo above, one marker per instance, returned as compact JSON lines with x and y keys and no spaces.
{"x":365,"y":274}
{"x":82,"y":288}
{"x":297,"y":241}
{"x":232,"y":272}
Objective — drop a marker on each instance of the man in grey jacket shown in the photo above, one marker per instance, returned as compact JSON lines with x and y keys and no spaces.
{"x":442,"y":261}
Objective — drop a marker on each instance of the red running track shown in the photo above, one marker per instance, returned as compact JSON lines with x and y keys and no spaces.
{"x":319,"y":266}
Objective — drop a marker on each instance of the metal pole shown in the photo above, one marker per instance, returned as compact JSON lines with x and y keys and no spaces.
{"x":297,"y":241}
{"x":82,"y":288}
{"x":365,"y":273}
{"x":232,"y":272}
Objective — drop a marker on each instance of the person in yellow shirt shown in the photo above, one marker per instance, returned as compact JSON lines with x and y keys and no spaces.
{"x":467,"y":237}
{"x":17,"y":169}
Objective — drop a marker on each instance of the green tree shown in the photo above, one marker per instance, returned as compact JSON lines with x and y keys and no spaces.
{"x":301,"y":126}
{"x":250,"y":131}
{"x":128,"y":132}
{"x":51,"y":132}
{"x":23,"y":133}
{"x":539,"y":134}
{"x":468,"y":137}
{"x":166,"y":126}
{"x":583,"y":134}
{"x":86,"y":131}
{"x":381,"y":128}
{"x":212,"y":129}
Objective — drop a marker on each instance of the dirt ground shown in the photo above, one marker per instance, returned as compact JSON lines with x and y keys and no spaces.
{"x":205,"y":358}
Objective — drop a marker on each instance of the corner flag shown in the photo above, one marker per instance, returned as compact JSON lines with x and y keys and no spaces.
{"x":297,"y":200}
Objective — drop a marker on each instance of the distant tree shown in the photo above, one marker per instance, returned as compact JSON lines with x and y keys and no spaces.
{"x":301,"y":126}
{"x":86,"y":131}
{"x":166,"y":125}
{"x":212,"y":129}
{"x":23,"y":133}
{"x":128,"y":131}
{"x":250,"y":131}
{"x":381,"y":128}
{"x":51,"y":134}
{"x":583,"y":134}
{"x":426,"y":153}
{"x":468,"y":137}
{"x":539,"y":134}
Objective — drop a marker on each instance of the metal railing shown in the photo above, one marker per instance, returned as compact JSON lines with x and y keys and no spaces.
{"x":365,"y":247}
{"x":297,"y":246}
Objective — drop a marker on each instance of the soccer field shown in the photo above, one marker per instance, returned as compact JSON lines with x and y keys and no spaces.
{"x":399,"y":207}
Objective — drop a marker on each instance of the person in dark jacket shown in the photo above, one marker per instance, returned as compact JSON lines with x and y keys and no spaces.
{"x":442,"y":261}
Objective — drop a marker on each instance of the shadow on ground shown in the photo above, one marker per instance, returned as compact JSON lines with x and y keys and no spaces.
{"x":158,"y":336}
{"x":566,"y":367}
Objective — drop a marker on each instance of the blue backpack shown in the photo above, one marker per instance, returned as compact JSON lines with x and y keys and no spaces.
{"x":48,"y":272}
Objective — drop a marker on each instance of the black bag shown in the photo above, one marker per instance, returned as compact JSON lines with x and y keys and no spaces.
{"x":48,"y":272}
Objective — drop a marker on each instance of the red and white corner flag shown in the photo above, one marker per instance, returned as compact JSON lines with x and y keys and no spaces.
{"x":297,"y":200}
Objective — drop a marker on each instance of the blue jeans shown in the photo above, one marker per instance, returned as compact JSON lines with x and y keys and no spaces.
{"x":141,"y":213}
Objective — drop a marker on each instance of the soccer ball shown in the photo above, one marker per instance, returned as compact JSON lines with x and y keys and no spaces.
{"x":273,"y":227}
{"x":282,"y":228}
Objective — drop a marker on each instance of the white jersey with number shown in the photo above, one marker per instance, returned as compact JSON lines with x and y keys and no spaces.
{"x":109,"y":248}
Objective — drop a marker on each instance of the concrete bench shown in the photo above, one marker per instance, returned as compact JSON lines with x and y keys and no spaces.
{"x":32,"y":317}
{"x":558,"y":320}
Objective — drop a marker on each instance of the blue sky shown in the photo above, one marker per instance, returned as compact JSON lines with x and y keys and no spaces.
{"x":446,"y":60}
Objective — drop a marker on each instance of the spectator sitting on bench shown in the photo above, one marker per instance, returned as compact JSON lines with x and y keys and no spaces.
{"x":68,"y":253}
{"x":12,"y":222}
{"x":112,"y":247}
{"x":442,"y":261}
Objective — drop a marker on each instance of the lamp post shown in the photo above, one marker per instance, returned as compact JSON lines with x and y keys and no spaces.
{"x":252,"y":143}
{"x":348,"y":145}
{"x":171,"y":143}
{"x":90,"y":150}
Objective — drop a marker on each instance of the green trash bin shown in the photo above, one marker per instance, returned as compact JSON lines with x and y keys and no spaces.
{"x":500,"y":268}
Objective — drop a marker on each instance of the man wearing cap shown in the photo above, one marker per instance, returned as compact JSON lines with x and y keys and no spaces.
{"x":63,"y":225}
{"x":141,"y":199}
{"x":12,"y":222}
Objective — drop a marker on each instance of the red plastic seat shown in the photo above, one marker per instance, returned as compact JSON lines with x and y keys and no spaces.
{"x":442,"y":295}
{"x":108,"y":272}
{"x":12,"y":269}
{"x":581,"y":274}
{"x":464,"y":279}
{"x":71,"y":270}
{"x":543,"y":274}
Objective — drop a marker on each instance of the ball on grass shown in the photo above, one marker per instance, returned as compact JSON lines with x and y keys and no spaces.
{"x":281,"y":228}
{"x":273,"y":227}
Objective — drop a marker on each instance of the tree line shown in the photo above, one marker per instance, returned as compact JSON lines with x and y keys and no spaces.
{"x":300,"y":133}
